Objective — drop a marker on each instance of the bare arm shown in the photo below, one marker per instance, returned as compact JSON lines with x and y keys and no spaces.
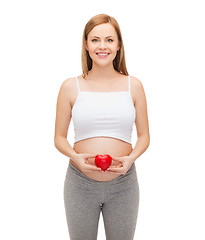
{"x":141,"y":122}
{"x":64,"y":147}
{"x":142,"y":127}
{"x":63,"y":118}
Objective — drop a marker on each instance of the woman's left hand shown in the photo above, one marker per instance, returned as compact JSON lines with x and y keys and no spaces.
{"x":125,"y":164}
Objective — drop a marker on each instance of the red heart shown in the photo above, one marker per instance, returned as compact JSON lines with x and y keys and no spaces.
{"x":103,"y":161}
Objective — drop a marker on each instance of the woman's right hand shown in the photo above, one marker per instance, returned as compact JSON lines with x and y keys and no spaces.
{"x":81,"y":159}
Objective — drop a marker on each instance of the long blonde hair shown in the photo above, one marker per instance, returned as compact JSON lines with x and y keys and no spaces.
{"x":119,"y":61}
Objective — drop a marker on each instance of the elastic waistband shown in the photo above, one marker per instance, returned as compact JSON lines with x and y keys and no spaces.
{"x":131,"y":169}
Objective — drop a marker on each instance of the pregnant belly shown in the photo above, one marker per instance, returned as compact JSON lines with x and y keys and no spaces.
{"x":101,"y":146}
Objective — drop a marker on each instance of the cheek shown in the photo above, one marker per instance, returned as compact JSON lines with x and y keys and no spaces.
{"x":114,"y":48}
{"x":91,"y":48}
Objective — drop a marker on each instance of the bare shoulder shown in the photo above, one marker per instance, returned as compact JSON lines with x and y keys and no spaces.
{"x":66,"y":91}
{"x":67,"y":86}
{"x":64,"y":108}
{"x":68,"y":83}
{"x":137,"y":89}
{"x":136,"y":83}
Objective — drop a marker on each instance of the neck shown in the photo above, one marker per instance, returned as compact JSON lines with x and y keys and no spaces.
{"x":102,"y":73}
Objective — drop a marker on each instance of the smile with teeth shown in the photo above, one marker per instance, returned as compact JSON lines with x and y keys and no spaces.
{"x":102,"y":54}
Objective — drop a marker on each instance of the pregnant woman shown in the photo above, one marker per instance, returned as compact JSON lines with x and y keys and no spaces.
{"x":104,"y":103}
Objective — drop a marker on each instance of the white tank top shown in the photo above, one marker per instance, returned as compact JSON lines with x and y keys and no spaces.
{"x":103,"y":114}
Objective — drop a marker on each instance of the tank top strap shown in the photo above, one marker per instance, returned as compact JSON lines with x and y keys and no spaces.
{"x":77,"y":84}
{"x":129,"y":82}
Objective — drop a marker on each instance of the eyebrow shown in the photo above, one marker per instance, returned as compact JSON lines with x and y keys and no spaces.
{"x":98,"y":37}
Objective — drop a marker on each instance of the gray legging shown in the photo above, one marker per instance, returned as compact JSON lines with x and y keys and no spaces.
{"x":85,"y":198}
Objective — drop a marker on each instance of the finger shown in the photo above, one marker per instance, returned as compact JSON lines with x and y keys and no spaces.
{"x":86,"y":161}
{"x":92,"y":155}
{"x":114,"y":158}
{"x":116,"y":166}
{"x":115,"y":169}
{"x":91,"y":167}
{"x":118,"y":159}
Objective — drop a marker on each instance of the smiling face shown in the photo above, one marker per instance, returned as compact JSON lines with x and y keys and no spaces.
{"x":102,"y":44}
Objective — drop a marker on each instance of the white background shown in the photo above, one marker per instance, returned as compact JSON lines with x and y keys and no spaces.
{"x":41,"y":47}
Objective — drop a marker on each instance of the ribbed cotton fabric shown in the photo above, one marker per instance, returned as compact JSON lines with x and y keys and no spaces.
{"x":103,"y":114}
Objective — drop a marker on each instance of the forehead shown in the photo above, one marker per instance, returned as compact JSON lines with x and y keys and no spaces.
{"x":103,"y":30}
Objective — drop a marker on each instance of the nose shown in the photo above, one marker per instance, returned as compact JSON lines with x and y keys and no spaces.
{"x":102,"y":45}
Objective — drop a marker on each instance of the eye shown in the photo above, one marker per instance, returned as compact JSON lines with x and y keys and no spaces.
{"x":94,"y":40}
{"x":111,"y":40}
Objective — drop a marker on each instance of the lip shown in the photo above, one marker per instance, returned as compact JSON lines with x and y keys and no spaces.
{"x":103,"y":53}
{"x":102,"y":56}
